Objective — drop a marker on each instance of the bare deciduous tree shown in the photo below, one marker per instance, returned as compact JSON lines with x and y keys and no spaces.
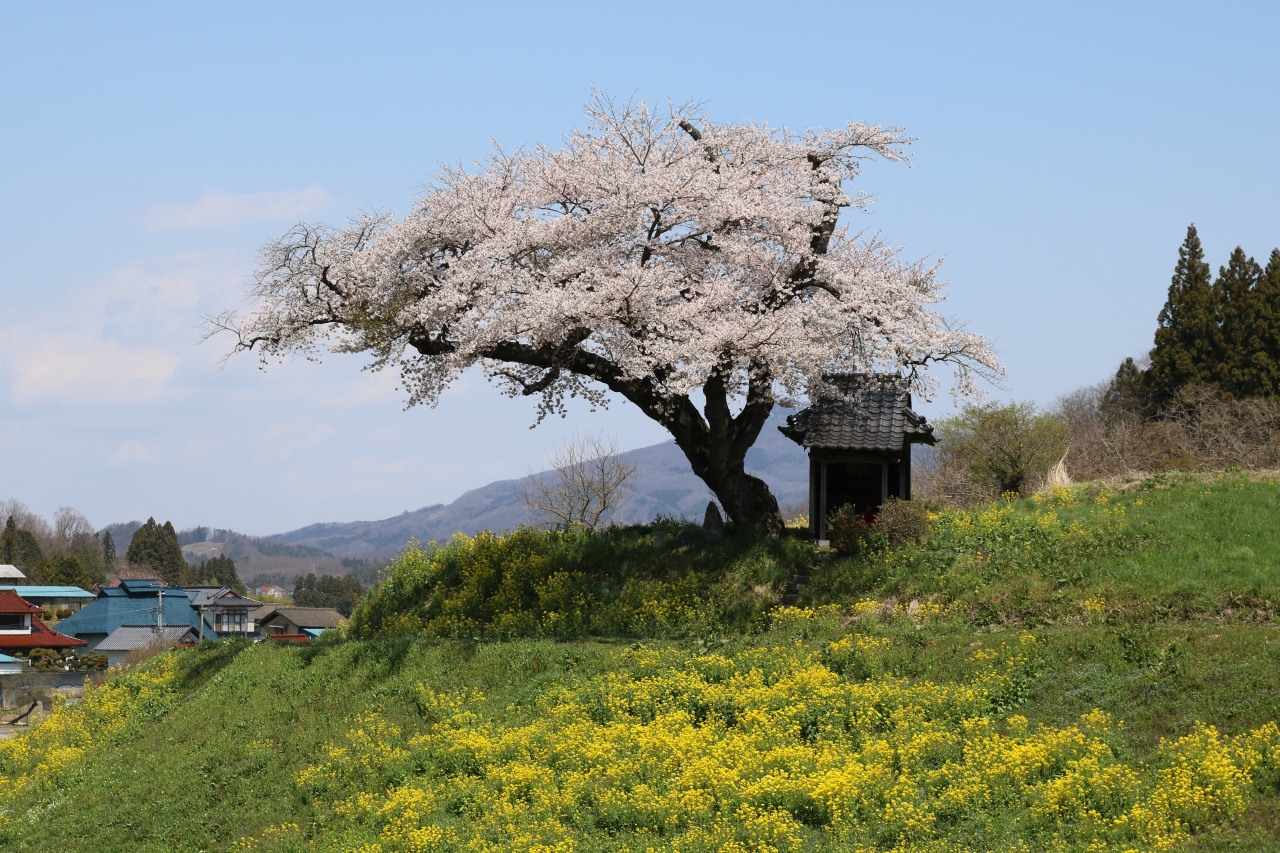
{"x":585,"y":485}
{"x":72,"y":533}
{"x":26,"y":520}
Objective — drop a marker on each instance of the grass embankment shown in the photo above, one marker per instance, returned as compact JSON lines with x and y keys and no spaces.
{"x":964,"y":723}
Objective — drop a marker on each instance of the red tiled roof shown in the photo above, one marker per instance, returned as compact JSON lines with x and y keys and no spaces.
{"x":11,"y":602}
{"x":41,"y":637}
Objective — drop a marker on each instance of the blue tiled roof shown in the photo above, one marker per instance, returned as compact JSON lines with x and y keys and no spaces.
{"x":30,"y":592}
{"x":115,"y":607}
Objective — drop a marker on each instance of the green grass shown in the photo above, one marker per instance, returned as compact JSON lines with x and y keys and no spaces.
{"x":1189,"y":632}
{"x":196,"y":781}
{"x":1184,"y":547}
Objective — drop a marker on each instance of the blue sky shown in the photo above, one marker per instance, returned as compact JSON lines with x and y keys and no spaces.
{"x":147,"y":151}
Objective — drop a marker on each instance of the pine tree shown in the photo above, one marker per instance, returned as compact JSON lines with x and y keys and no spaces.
{"x":1236,"y":372}
{"x":1187,"y":343}
{"x":155,"y":547}
{"x":108,"y":550}
{"x":67,"y":571}
{"x":1257,"y":373}
{"x":218,"y":571}
{"x":8,"y":543}
{"x":20,"y":548}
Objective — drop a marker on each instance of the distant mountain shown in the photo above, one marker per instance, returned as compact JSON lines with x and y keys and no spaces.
{"x":664,"y":485}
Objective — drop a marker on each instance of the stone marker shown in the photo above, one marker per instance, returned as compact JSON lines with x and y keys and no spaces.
{"x":659,"y":540}
{"x":713,"y":524}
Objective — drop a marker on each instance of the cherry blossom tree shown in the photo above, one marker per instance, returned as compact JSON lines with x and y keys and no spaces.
{"x":696,"y":269}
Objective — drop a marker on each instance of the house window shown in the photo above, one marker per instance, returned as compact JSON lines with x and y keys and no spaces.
{"x":228,"y":622}
{"x":11,"y":622}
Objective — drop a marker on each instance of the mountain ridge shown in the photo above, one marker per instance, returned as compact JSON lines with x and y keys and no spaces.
{"x":664,"y":484}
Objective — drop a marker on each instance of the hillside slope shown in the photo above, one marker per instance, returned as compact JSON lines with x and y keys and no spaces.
{"x":1128,"y":638}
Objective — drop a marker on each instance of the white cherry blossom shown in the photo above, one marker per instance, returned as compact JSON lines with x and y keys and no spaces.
{"x":656,"y":254}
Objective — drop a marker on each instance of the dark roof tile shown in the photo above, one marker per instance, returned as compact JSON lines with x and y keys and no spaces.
{"x":869,"y":412}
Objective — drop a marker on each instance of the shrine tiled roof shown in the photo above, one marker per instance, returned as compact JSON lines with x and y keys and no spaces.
{"x":870,"y":412}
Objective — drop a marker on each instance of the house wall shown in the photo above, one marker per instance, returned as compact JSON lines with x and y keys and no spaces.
{"x":92,"y":640}
{"x":280,"y":625}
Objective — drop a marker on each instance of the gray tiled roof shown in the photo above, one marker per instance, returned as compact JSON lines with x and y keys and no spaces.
{"x":871,"y":412}
{"x":129,"y":637}
{"x":212,"y":598}
{"x":303,"y":617}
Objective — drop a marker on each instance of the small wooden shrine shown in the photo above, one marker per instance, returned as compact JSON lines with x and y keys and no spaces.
{"x":859,"y":444}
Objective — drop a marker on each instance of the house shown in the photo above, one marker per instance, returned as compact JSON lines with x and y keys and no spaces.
{"x":53,"y":598}
{"x":133,"y":602}
{"x":11,"y":666}
{"x":128,"y":638}
{"x":22,"y":630}
{"x":272,"y":592}
{"x":859,"y":443}
{"x":300,"y":623}
{"x":11,"y":574}
{"x":230,"y":614}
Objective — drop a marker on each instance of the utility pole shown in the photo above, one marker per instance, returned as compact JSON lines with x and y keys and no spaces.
{"x":160,"y":614}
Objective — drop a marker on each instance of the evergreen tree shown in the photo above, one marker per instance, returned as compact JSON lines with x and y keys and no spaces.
{"x":340,"y":593}
{"x":1239,"y":311}
{"x":155,"y":547}
{"x":20,"y":548}
{"x":67,"y":571}
{"x":8,"y":543}
{"x":108,"y":550}
{"x":1188,"y":343}
{"x":1128,"y":392}
{"x":1256,"y":370}
{"x":218,"y":571}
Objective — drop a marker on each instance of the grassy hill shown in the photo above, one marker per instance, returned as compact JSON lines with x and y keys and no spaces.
{"x":1099,"y":670}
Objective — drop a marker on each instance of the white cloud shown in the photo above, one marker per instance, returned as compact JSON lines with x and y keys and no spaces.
{"x":132,"y":453}
{"x":122,"y":340}
{"x":86,"y":369}
{"x":215,"y":208}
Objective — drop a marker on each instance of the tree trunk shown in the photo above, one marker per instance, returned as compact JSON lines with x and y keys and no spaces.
{"x":746,"y":499}
{"x":714,"y":440}
{"x":717,"y":450}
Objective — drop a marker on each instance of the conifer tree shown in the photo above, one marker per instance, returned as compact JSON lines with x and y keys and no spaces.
{"x":1242,"y":326}
{"x":1259,"y":375}
{"x":1188,"y":342}
{"x":156,"y":547}
{"x":20,"y":548}
{"x":67,"y":571}
{"x":8,"y":543}
{"x":218,"y":571}
{"x":108,"y":550}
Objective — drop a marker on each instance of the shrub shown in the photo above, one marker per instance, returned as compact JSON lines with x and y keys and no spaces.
{"x":903,"y":521}
{"x":90,"y":661}
{"x":998,"y":449}
{"x":850,"y":534}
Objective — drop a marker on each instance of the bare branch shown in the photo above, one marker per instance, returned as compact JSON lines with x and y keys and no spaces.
{"x":585,"y":486}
